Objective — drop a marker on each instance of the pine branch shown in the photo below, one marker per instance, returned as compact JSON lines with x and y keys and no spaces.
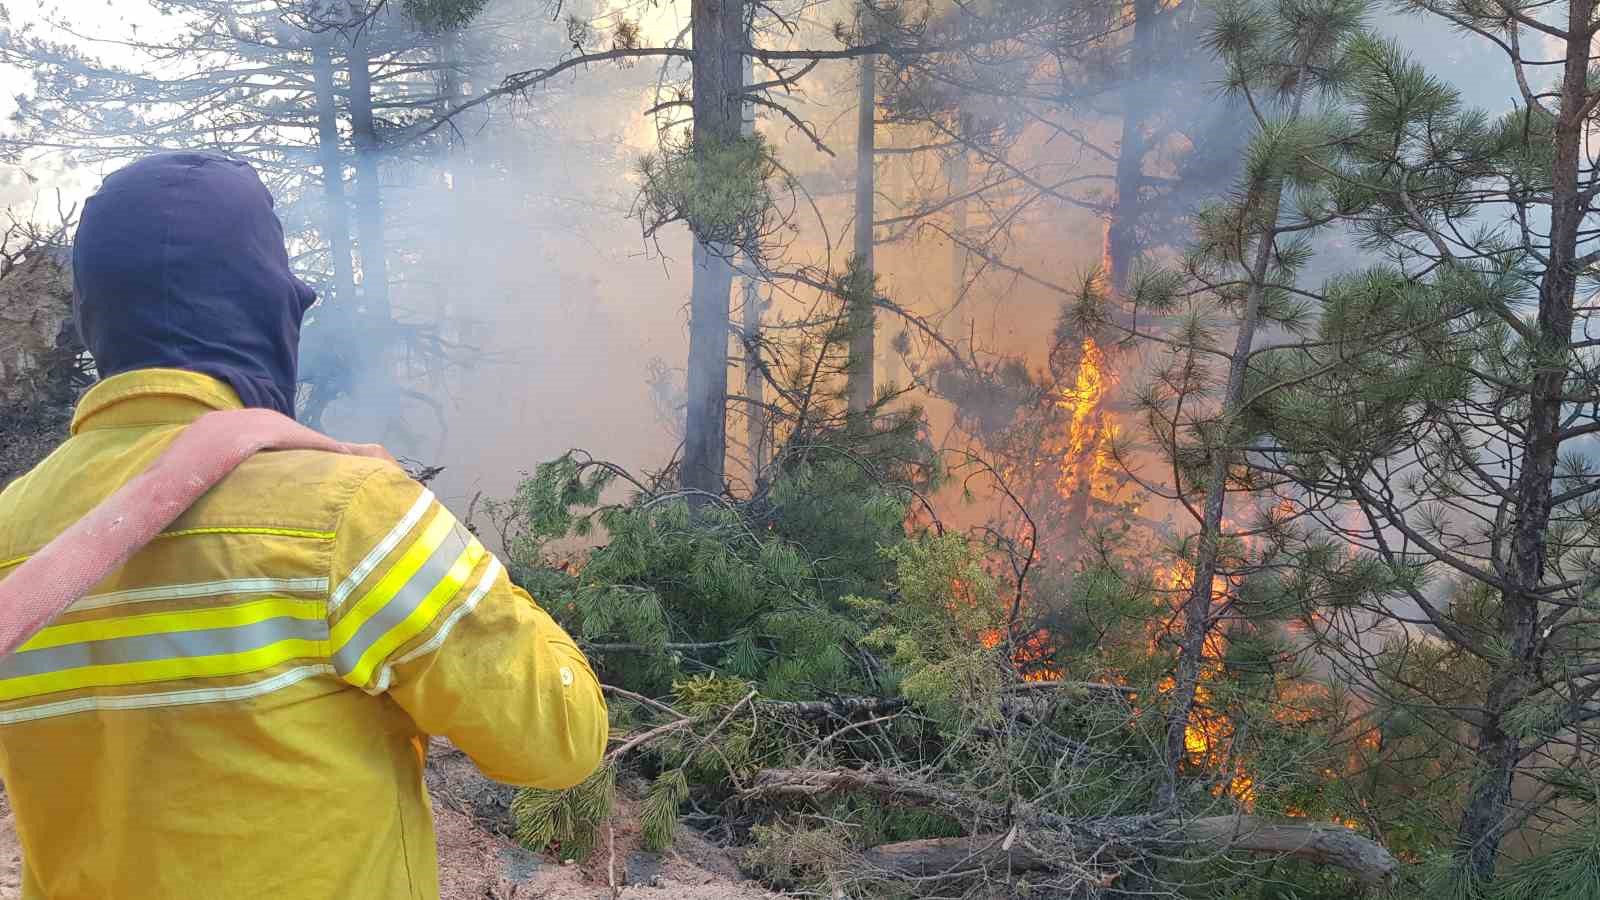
{"x":1118,"y":837}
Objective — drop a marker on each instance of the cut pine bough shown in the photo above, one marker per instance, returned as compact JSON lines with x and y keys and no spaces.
{"x":1098,"y":840}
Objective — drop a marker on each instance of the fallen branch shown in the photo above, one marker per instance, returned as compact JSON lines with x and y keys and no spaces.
{"x":838,"y":708}
{"x":637,"y":741}
{"x":1086,"y":687}
{"x":643,"y":648}
{"x":798,"y":784}
{"x":642,"y":699}
{"x":1122,"y":836}
{"x":1328,"y":845}
{"x":942,"y":857}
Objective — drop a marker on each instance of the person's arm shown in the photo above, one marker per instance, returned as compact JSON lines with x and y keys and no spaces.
{"x":419,"y":609}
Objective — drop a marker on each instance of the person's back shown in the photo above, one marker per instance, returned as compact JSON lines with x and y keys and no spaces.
{"x":241,"y":710}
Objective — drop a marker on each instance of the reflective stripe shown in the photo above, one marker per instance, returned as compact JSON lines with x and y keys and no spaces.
{"x":424,"y":617}
{"x":164,"y":645}
{"x":419,"y":597}
{"x":176,"y":622}
{"x":231,"y":640}
{"x":419,"y":618}
{"x":490,"y":575}
{"x":237,"y":663}
{"x":169,"y":698}
{"x":440,"y":527}
{"x":230,"y":587}
{"x":376,"y":554}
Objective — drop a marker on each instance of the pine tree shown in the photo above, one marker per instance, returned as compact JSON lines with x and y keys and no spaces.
{"x":1282,"y":57}
{"x":1437,"y":426}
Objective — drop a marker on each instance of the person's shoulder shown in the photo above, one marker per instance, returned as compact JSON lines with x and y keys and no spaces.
{"x":310,"y":488}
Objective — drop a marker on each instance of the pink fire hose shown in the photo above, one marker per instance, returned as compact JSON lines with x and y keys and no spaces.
{"x":51,"y":580}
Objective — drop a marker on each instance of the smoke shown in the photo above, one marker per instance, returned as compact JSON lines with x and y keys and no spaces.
{"x":534,"y":308}
{"x":539,"y":315}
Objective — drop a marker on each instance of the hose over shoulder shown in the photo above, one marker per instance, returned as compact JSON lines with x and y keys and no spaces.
{"x":95,"y":546}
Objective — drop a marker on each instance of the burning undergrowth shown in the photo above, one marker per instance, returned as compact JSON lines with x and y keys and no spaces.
{"x":838,"y":675}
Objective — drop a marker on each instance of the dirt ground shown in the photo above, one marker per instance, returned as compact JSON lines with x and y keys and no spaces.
{"x":478,"y":861}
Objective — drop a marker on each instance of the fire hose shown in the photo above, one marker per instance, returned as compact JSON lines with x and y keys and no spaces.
{"x":67,"y":568}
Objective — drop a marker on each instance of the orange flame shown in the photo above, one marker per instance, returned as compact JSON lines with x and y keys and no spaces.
{"x":1081,"y":457}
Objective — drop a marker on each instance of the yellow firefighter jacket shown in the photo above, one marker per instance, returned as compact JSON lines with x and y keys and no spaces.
{"x":241,"y":710}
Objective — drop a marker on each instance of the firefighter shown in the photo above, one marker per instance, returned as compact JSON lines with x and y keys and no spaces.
{"x":242,"y":710}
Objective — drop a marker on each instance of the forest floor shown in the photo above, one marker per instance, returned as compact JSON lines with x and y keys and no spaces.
{"x":479,"y":861}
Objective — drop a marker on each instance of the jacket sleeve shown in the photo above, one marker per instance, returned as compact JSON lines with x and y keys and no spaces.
{"x":418,"y":609}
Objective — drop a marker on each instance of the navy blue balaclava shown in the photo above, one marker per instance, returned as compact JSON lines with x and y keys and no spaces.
{"x":179,"y":263}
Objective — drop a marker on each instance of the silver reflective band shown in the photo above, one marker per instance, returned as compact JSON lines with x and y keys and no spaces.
{"x":376,"y":554}
{"x":405,"y":601}
{"x":386,"y":673}
{"x":166,"y":645}
{"x":230,"y":588}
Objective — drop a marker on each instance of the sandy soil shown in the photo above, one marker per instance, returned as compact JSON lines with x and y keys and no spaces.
{"x":479,"y":861}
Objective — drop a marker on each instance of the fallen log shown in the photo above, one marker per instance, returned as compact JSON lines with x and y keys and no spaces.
{"x":937,"y":857}
{"x":1117,"y":836}
{"x":894,"y":789}
{"x":1328,"y":845}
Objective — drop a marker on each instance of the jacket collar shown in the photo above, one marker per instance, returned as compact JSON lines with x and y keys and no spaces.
{"x":149,"y":397}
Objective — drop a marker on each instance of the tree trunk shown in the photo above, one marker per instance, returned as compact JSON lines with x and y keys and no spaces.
{"x":1122,"y":243}
{"x":863,"y":356}
{"x":369,"y":203}
{"x":1077,"y":517}
{"x":1483,"y":823}
{"x":1196,"y":612}
{"x":336,"y":216}
{"x":454,"y":250}
{"x":755,"y":388}
{"x":717,"y":29}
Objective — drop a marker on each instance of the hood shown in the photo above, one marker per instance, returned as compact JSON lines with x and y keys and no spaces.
{"x":179,"y":263}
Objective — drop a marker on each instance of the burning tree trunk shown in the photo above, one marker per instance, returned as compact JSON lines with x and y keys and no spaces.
{"x":1196,"y":610}
{"x":1081,"y":456}
{"x":1246,"y":239}
{"x":717,"y":29}
{"x":862,"y":345}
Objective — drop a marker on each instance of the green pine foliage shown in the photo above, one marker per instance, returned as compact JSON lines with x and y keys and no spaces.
{"x":658,"y":817}
{"x":1570,"y":871}
{"x":757,"y":593}
{"x":1353,"y":658}
{"x":569,"y":820}
{"x":443,"y":15}
{"x":724,"y":191}
{"x":942,"y":599}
